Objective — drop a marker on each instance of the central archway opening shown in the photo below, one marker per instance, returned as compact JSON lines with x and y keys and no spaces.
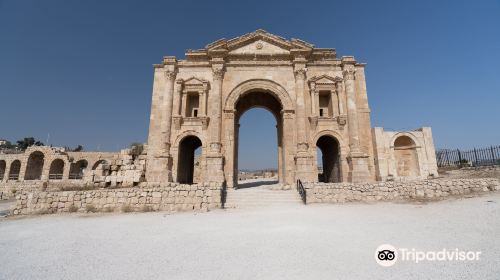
{"x":328,"y":155}
{"x":258,"y":148}
{"x":189,"y":160}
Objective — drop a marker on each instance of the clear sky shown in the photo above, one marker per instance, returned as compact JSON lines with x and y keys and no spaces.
{"x":82,"y":70}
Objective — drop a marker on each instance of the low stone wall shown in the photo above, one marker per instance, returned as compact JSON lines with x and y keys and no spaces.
{"x":424,"y":189}
{"x":170,"y":197}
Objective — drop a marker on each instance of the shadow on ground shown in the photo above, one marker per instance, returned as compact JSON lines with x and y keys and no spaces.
{"x":256,"y":184}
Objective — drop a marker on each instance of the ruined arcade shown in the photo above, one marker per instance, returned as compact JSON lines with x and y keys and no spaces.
{"x":318,"y":101}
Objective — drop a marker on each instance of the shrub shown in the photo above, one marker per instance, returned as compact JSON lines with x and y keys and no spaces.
{"x":90,"y":208}
{"x":72,"y":209}
{"x":126,"y":208}
{"x":108,"y":209}
{"x":42,"y":211}
{"x":13,"y":191}
{"x":147,"y":208}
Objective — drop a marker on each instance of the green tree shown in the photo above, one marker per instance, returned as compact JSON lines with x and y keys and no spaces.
{"x":27,"y":142}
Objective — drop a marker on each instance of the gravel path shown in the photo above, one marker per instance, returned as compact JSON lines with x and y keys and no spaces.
{"x":294,"y":242}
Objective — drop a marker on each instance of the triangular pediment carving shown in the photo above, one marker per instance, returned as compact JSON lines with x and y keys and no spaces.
{"x":325,"y":80}
{"x":259,"y":42}
{"x":193,"y":81}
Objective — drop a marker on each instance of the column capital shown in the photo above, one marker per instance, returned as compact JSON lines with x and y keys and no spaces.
{"x":170,"y":75}
{"x":300,"y":73}
{"x":218,"y":71}
{"x":349,"y":72}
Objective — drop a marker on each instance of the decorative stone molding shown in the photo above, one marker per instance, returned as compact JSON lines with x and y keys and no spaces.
{"x":342,"y":120}
{"x":287,"y":114}
{"x":349,"y":71}
{"x":204,"y":122}
{"x":260,"y":84}
{"x":177,"y":122}
{"x":170,"y":75}
{"x":302,"y":147}
{"x":218,"y":72}
{"x":314,"y":122}
{"x":215,"y":147}
{"x":300,"y":73}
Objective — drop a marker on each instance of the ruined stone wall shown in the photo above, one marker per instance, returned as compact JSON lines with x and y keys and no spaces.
{"x":169,"y":197}
{"x":423,"y":189}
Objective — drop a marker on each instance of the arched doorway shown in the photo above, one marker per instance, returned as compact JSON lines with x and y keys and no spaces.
{"x":328,"y":154}
{"x":189,"y":149}
{"x":99,"y":164}
{"x":405,"y":153}
{"x":3,"y":166}
{"x":56,"y":169}
{"x":15,"y":168}
{"x":258,"y":99}
{"x":77,"y":169}
{"x":35,"y":166}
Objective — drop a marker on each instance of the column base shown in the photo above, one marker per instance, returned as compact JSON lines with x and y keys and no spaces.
{"x":359,"y":172}
{"x":159,"y":169}
{"x":304,"y":168}
{"x":215,"y":169}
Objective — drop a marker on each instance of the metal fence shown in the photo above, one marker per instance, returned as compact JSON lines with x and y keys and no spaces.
{"x":474,"y":157}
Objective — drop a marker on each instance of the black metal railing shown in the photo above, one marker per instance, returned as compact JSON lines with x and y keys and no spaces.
{"x":474,"y":157}
{"x":301,"y":190}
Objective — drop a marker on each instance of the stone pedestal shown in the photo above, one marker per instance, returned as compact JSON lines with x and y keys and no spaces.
{"x":305,"y":168}
{"x":159,"y":169}
{"x":358,"y":163}
{"x":215,"y":171}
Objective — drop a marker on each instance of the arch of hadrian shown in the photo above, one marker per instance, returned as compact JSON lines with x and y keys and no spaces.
{"x":318,"y":100}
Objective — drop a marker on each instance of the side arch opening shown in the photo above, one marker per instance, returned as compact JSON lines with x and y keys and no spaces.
{"x":190,"y":152}
{"x":35,"y":166}
{"x":328,"y":154}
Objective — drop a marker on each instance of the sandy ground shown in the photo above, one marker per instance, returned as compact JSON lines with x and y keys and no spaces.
{"x":294,"y":242}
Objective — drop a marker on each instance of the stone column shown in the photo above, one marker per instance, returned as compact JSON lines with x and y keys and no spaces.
{"x":184,"y":112}
{"x":335,"y":102}
{"x":303,"y":159}
{"x":7,"y":171}
{"x":215,"y":159}
{"x":359,"y":160}
{"x":168,"y":99}
{"x":340,"y":97}
{"x":66,"y":170}
{"x":314,"y":100}
{"x":159,"y":164}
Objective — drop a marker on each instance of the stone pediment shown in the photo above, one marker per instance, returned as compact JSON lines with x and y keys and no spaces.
{"x":260,"y":47}
{"x":259,"y":42}
{"x":193,"y":81}
{"x":325,"y":80}
{"x":194,"y":84}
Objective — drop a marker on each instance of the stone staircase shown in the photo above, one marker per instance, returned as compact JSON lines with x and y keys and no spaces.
{"x":262,"y":196}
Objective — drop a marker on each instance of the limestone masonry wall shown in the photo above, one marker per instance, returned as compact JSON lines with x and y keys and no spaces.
{"x":423,"y":189}
{"x":169,"y":197}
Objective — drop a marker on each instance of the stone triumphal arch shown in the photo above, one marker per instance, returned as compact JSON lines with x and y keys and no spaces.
{"x":319,"y":101}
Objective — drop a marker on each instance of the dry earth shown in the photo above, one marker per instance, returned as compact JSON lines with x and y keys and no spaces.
{"x":289,"y":242}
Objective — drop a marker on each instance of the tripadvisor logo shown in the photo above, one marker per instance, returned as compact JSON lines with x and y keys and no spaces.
{"x":387,"y":255}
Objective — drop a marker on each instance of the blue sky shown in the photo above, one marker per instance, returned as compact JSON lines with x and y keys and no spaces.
{"x":82,"y":70}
